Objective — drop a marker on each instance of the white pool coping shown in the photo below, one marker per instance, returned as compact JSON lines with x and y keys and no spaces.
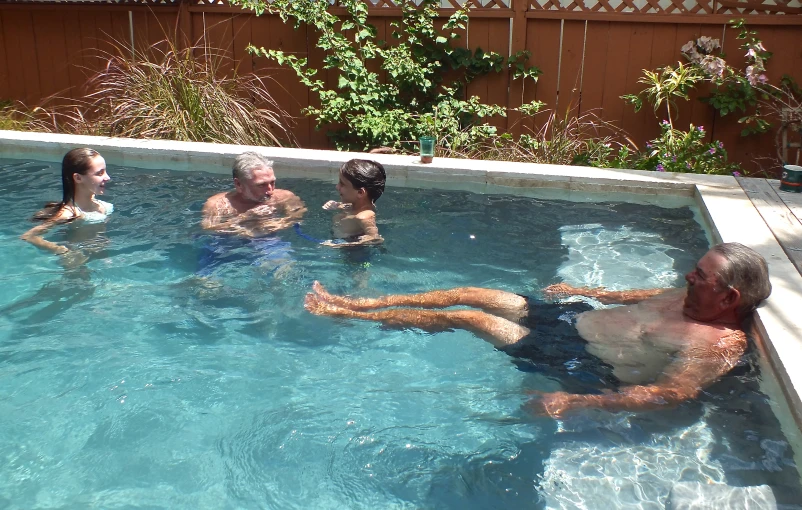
{"x":727,"y":210}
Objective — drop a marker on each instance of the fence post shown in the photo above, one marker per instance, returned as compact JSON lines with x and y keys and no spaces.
{"x":516,"y":87}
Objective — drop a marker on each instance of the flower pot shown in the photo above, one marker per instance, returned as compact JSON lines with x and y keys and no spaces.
{"x":426,"y":148}
{"x":791,"y":179}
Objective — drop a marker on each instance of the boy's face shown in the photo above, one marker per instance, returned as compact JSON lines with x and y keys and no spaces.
{"x":348,"y":193}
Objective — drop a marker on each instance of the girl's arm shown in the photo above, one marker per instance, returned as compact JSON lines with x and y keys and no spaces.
{"x":34,"y":235}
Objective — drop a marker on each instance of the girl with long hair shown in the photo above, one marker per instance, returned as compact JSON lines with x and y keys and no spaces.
{"x":83,"y":176}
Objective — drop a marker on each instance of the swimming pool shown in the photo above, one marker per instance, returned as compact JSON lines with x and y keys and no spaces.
{"x":137,"y":383}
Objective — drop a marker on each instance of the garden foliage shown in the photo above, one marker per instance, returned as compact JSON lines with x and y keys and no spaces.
{"x":391,"y":92}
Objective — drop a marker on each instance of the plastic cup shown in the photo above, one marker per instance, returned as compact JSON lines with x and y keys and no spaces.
{"x":426,"y":149}
{"x":791,"y":179}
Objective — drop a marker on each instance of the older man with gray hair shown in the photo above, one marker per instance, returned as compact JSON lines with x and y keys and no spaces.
{"x":255,"y":207}
{"x":662,"y":347}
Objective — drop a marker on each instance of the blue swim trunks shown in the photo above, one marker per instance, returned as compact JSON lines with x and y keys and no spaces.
{"x":555,"y":349}
{"x":217,"y":250}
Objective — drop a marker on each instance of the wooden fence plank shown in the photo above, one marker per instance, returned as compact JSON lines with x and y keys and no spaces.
{"x":498,"y":83}
{"x":21,"y":55}
{"x":640,"y":56}
{"x":242,"y":37}
{"x":543,"y":41}
{"x":478,"y":37}
{"x":595,"y":68}
{"x":618,"y":48}
{"x":573,"y":47}
{"x":5,"y":91}
{"x":75,"y":54}
{"x":51,"y":55}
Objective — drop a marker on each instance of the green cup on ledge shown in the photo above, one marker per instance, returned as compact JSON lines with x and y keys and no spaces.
{"x":791,"y":179}
{"x":426,"y":148}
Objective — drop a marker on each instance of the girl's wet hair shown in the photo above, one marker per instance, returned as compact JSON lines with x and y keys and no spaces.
{"x":77,"y":161}
{"x":364,"y":173}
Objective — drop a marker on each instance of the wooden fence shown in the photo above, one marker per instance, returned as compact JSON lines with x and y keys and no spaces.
{"x":590,"y":51}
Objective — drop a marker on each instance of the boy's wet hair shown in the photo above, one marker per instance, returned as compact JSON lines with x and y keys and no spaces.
{"x":364,"y":173}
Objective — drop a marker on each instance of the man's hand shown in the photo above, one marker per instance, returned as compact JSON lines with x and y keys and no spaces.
{"x":561,"y":290}
{"x":333,"y":205}
{"x":259,"y":211}
{"x":556,"y":404}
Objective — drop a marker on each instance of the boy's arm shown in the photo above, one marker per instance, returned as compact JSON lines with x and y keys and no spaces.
{"x":695,"y":369}
{"x":624,"y":297}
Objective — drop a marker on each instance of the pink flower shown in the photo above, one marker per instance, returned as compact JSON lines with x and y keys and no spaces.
{"x":712,"y":150}
{"x":660,"y":168}
{"x":736,"y":174}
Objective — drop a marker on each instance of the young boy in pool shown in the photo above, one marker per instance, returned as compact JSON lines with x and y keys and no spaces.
{"x":360,"y":184}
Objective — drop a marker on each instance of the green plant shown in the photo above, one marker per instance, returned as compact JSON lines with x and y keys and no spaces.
{"x":664,"y":86}
{"x":676,"y":150}
{"x":180,"y":94}
{"x":561,"y":140}
{"x":15,"y":116}
{"x":685,"y":151}
{"x":424,"y":74}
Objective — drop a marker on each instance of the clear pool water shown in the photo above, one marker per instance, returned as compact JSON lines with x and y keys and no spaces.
{"x":132,"y":383}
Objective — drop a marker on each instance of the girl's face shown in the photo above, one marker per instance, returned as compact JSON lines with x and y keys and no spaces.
{"x":347,"y":192}
{"x":95,"y":178}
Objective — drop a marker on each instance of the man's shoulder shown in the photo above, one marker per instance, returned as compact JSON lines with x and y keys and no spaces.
{"x":217,"y":199}
{"x":282,"y":193}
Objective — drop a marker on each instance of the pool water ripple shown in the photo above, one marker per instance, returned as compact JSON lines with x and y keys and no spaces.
{"x":134,"y":381}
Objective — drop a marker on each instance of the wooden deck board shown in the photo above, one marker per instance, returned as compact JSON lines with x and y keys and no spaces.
{"x":785,"y":223}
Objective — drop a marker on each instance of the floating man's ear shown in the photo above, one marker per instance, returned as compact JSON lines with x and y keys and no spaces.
{"x":732,"y":299}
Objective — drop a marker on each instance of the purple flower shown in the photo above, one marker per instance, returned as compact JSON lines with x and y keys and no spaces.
{"x":688,"y":164}
{"x":701,"y":129}
{"x":712,"y":150}
{"x":720,"y":145}
{"x":660,"y":168}
{"x":736,"y":174}
{"x":674,"y":159}
{"x":664,"y":122}
{"x":648,"y":145}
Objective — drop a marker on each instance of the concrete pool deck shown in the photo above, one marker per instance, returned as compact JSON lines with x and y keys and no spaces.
{"x":727,"y":211}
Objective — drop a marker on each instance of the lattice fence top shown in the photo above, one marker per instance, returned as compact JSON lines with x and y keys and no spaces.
{"x":445,"y":4}
{"x":671,"y":6}
{"x":734,"y":7}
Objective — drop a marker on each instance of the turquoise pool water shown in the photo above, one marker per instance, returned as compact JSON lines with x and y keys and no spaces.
{"x":133,"y":383}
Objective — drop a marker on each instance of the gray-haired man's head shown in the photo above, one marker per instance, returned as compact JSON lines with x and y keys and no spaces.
{"x":254,"y":177}
{"x":246,"y":162}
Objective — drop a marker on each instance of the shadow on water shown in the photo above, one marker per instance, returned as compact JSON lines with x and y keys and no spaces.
{"x":73,"y":287}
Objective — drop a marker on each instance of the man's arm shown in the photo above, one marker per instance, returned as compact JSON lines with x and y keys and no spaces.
{"x":695,"y":369}
{"x":293,"y":207}
{"x":217,"y":217}
{"x":624,"y":297}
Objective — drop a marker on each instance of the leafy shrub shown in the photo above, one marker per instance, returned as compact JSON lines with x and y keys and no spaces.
{"x":676,"y":150}
{"x":685,"y":151}
{"x":570,"y":139}
{"x":424,"y":92}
